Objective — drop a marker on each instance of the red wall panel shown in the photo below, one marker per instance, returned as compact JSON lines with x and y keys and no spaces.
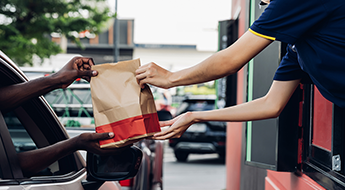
{"x":289,"y":181}
{"x":234,"y":130}
{"x":322,"y":121}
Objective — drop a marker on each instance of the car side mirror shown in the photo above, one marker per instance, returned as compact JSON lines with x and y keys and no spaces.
{"x":117,"y":167}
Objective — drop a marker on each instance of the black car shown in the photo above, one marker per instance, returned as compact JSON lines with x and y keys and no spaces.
{"x":200,"y":138}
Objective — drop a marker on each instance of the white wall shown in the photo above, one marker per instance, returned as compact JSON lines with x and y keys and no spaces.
{"x":171,"y":59}
{"x":54,"y":63}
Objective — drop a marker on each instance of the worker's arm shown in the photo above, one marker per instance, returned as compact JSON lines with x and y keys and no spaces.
{"x":268,"y":106}
{"x":222,"y":63}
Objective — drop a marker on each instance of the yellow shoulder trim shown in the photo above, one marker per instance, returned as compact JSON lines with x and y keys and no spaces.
{"x":261,"y":35}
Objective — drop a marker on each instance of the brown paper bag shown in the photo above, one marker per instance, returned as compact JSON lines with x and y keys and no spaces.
{"x":121,"y":106}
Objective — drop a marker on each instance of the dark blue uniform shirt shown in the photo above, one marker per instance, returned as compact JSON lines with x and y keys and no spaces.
{"x":315,"y":32}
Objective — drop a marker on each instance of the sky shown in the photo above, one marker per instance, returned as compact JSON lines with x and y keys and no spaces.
{"x":180,"y":22}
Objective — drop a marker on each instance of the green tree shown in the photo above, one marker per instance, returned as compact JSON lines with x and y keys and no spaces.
{"x":26,"y":25}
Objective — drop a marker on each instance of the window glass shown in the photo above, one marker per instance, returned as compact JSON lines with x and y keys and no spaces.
{"x":322,"y":121}
{"x":20,"y":138}
{"x":23,"y":142}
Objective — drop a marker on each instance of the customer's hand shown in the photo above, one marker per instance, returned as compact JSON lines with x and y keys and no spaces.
{"x":77,"y":67}
{"x":178,"y":126}
{"x":153,"y":74}
{"x":90,"y":143}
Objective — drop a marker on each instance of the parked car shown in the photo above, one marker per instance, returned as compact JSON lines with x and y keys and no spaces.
{"x":73,"y":106}
{"x":199,"y":138}
{"x":34,"y":125}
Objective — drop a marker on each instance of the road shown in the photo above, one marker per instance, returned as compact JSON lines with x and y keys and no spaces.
{"x":200,"y":172}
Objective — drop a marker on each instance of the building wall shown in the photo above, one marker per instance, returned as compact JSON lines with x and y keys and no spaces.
{"x":289,"y":181}
{"x":171,"y":58}
{"x":235,"y":138}
{"x":240,"y":175}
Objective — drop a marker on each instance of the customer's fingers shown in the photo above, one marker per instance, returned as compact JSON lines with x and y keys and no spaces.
{"x":102,"y":136}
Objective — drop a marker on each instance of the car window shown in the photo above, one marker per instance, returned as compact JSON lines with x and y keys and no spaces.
{"x":33,"y":125}
{"x":22,"y":141}
{"x":195,"y":105}
{"x":201,"y":106}
{"x":20,"y":138}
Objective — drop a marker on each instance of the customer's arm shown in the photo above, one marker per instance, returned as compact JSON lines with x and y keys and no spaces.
{"x":34,"y":161}
{"x":14,"y":95}
{"x":222,"y":63}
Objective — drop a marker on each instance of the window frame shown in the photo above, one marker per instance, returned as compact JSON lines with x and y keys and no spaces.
{"x":41,"y":118}
{"x":317,"y":162}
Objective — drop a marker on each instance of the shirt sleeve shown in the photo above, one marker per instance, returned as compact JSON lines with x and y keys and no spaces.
{"x":288,"y":20}
{"x":289,"y":69}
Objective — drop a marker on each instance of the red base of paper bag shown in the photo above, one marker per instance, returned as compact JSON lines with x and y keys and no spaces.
{"x":130,"y":129}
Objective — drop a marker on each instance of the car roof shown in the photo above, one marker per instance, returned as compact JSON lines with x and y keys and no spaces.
{"x":12,"y":65}
{"x":192,"y":98}
{"x":37,"y":69}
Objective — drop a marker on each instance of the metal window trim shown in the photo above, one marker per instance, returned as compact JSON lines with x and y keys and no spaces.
{"x":312,"y":166}
{"x":55,"y":179}
{"x":319,"y":154}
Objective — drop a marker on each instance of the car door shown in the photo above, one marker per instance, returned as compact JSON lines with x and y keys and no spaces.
{"x":33,"y":125}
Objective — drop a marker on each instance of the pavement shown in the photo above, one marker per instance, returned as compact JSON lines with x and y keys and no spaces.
{"x":200,"y":172}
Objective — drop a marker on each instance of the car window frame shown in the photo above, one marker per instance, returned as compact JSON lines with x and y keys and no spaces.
{"x":57,"y":131}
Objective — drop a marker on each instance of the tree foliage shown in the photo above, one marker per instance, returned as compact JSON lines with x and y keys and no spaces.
{"x":26,"y":25}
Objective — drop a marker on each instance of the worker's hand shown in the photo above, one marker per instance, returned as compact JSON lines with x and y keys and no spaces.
{"x":77,"y":67}
{"x":153,"y":74}
{"x":90,"y":143}
{"x":178,"y":126}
